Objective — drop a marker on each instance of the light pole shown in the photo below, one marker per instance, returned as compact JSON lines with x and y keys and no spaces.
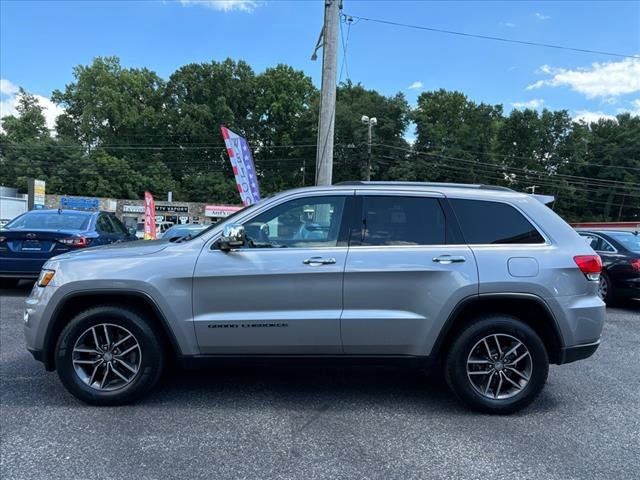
{"x":370,"y":123}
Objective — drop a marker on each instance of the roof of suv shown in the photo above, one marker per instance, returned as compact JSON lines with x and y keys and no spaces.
{"x":454,"y":189}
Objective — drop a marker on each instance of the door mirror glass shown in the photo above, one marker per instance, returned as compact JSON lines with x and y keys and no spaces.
{"x":232,"y":236}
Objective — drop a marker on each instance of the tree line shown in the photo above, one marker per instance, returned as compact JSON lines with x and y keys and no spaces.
{"x":127,"y":130}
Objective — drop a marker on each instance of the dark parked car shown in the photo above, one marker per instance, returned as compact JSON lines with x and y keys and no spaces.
{"x":182,"y":230}
{"x":620,"y":253}
{"x":32,"y":238}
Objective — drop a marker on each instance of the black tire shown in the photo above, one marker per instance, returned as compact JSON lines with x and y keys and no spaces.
{"x":9,"y":282}
{"x":461,"y":349}
{"x":151,"y":361}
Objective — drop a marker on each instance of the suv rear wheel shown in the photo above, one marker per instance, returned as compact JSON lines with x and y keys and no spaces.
{"x":108,"y":355}
{"x":497,"y":365}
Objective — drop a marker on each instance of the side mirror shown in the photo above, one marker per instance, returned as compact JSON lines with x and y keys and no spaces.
{"x":232,"y":236}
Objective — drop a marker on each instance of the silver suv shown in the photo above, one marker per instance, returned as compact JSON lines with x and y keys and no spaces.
{"x":486,"y":283}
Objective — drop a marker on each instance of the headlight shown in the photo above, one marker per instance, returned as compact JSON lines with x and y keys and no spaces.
{"x":45,"y":277}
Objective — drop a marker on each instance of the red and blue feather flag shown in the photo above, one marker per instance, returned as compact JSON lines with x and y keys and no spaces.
{"x":244,"y":169}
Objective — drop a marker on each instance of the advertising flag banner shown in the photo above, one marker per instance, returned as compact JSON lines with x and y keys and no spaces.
{"x":243,"y":167}
{"x":149,"y":217}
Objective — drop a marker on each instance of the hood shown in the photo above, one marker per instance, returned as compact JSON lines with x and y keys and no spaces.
{"x":118,"y":250}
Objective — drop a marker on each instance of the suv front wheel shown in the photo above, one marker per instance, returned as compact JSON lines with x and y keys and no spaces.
{"x":108,"y":355}
{"x":497,"y":365}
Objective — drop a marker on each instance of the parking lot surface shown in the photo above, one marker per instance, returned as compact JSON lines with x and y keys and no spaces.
{"x":322,"y":421}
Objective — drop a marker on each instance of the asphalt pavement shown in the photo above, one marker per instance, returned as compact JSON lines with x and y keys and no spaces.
{"x":322,"y":421}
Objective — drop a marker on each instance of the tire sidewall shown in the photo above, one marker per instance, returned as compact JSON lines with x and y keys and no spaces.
{"x":456,"y":366}
{"x":151,"y":361}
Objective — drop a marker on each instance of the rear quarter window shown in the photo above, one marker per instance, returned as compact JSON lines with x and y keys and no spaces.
{"x":484,"y":222}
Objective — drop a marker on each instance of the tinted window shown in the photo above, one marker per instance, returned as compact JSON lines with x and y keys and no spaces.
{"x":304,"y":222}
{"x":391,"y":220}
{"x":103,"y":225}
{"x":50,"y":221}
{"x":629,"y":240}
{"x":492,"y":222}
{"x":118,"y":227}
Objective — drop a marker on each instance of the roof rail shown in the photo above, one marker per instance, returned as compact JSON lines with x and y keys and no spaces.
{"x":428,"y":184}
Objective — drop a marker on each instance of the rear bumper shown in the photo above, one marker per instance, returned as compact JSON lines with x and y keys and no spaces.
{"x":20,"y":275}
{"x":21,"y":267}
{"x":577,"y":352}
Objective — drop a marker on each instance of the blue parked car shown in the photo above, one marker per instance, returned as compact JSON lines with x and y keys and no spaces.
{"x":30,"y":239}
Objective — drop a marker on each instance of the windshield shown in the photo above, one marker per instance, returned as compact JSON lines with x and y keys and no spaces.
{"x":50,"y":221}
{"x":629,"y":240}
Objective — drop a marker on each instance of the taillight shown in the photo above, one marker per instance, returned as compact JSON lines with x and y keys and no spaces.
{"x":635,"y":264}
{"x":77,"y":242}
{"x":590,"y":265}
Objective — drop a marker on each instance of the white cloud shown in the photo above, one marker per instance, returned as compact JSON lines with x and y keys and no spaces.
{"x":634,"y":108}
{"x":604,"y":80}
{"x":532,"y":104}
{"x":508,"y":24}
{"x":587,"y":116}
{"x":9,"y":98}
{"x":540,"y":16}
{"x":247,"y":6}
{"x":417,"y":85}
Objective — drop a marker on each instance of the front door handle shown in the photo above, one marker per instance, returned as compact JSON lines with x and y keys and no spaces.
{"x":447,"y":259}
{"x":315,"y":261}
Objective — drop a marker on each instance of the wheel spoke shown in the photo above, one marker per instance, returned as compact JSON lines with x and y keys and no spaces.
{"x":95,"y":337}
{"x":130,"y":349}
{"x":106,"y":334}
{"x":495,"y":337}
{"x":513,"y":349}
{"x":87,"y":362}
{"x":480,"y":362}
{"x":497,"y":393}
{"x":120,"y":342}
{"x":516,"y":385}
{"x":481,"y":373}
{"x":521,"y":375}
{"x":486,"y":388}
{"x":104,"y":378}
{"x":519,"y":358}
{"x":93,"y":374}
{"x":115,"y":370}
{"x":124,"y":364}
{"x":87,"y":350}
{"x":487,"y":347}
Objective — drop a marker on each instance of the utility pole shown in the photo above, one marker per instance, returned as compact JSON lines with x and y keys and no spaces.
{"x":324,"y":153}
{"x":370,"y":123}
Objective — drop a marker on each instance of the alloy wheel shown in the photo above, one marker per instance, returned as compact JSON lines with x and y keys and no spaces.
{"x":107,"y":357}
{"x":499,"y":366}
{"x":603,"y":287}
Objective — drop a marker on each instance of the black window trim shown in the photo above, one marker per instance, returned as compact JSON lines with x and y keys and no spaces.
{"x":541,"y":232}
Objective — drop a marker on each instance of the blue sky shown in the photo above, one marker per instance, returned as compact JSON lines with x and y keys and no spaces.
{"x":41,"y":42}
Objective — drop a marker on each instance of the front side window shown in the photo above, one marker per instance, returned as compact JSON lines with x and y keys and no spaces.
{"x":485,"y":222}
{"x":300,"y":223}
{"x":394,"y":220}
{"x":103,"y":225}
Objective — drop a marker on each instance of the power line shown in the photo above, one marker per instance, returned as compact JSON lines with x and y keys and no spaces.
{"x":345,"y":45}
{"x":490,"y":37}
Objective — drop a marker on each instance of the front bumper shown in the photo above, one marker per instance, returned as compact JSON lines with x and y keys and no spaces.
{"x":577,"y":352}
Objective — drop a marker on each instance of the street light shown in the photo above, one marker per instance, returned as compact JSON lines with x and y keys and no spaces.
{"x":370,"y":122}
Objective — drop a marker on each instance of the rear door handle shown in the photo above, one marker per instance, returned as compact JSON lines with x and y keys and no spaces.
{"x":315,"y":261}
{"x":447,"y":259}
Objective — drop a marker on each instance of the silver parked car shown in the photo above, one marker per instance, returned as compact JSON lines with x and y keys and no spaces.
{"x":487,"y":283}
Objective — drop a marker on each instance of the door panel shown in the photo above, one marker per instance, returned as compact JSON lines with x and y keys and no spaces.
{"x":282,"y":293}
{"x":396,"y":299}
{"x":268,"y":301}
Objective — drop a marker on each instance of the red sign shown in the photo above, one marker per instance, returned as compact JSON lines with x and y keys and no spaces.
{"x":149,"y":217}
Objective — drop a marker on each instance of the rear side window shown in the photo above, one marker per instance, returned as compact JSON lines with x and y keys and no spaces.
{"x":391,"y":220}
{"x":485,"y":222}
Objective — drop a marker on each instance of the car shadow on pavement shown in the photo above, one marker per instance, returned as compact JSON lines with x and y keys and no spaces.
{"x":22,"y":289}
